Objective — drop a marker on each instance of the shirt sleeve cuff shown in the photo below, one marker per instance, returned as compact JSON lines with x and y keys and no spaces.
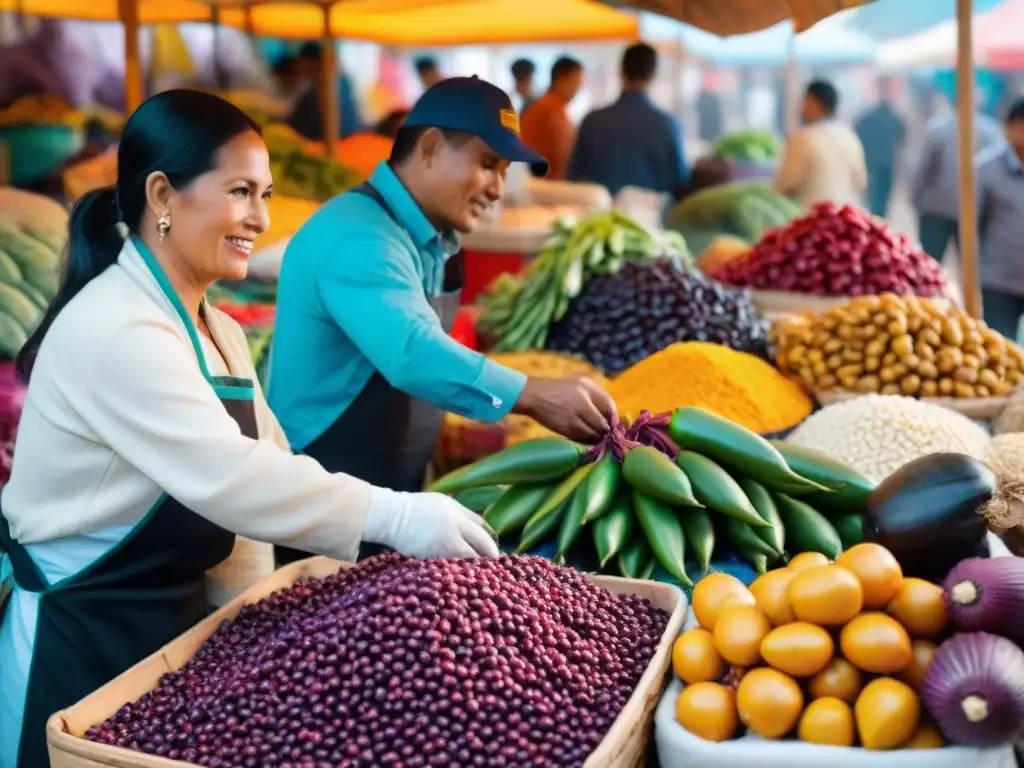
{"x":503,"y":385}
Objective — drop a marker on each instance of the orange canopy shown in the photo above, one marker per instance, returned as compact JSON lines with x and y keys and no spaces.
{"x":447,"y":22}
{"x":440,"y":22}
{"x":150,"y":11}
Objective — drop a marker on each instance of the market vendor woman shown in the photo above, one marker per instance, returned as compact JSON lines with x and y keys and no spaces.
{"x":145,"y":445}
{"x":369,"y":287}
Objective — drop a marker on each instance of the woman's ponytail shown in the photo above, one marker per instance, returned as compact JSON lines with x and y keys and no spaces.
{"x":93,"y":245}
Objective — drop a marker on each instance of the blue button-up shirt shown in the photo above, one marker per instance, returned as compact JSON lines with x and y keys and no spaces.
{"x":353,"y":299}
{"x":1001,"y":223}
{"x":630,"y":143}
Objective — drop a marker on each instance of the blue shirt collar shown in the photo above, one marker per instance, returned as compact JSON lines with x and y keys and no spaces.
{"x":634,"y":97}
{"x":409,"y":213}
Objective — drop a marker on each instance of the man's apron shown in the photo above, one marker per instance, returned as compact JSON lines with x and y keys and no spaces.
{"x":140,"y":595}
{"x":386,"y":437}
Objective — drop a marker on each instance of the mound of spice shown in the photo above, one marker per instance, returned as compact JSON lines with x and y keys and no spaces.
{"x":736,"y":385}
{"x":507,"y":661}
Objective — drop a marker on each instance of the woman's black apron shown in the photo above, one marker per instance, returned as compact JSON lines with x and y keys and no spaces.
{"x":386,"y":437}
{"x":126,"y":605}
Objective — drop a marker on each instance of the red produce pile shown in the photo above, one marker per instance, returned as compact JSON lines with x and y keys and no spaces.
{"x":836,"y":252}
{"x":508,"y":661}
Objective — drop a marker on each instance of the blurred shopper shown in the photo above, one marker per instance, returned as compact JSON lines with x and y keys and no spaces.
{"x":883,"y":134}
{"x":710,"y":116}
{"x":428,"y":71}
{"x":306,"y":117}
{"x":546,"y":128}
{"x":1001,"y":228}
{"x":631,"y":143}
{"x":935,"y":190}
{"x":523,"y":71}
{"x":290,"y":84}
{"x":824,"y":159}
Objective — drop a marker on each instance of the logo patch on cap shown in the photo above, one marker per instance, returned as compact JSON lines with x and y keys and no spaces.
{"x":510,"y":120}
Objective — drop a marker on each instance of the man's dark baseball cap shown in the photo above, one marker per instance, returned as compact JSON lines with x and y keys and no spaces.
{"x":474,"y":106}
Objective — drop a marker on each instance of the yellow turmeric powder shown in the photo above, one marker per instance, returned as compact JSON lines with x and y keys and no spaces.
{"x":735,"y":385}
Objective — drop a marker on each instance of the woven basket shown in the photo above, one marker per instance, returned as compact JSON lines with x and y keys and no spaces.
{"x":624,"y":746}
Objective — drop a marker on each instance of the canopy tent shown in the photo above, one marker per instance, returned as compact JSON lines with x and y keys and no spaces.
{"x":888,"y":19}
{"x":438,"y":22}
{"x":996,"y":35}
{"x":829,"y":42}
{"x":145,"y":11}
{"x":738,"y":17}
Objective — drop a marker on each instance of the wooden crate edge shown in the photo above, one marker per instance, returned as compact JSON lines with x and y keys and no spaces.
{"x":58,"y":729}
{"x":69,"y":750}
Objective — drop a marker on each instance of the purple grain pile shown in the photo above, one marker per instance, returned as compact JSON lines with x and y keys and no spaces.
{"x":403,"y":663}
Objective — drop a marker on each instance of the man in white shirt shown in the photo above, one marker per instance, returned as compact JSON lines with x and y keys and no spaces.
{"x":824,"y":159}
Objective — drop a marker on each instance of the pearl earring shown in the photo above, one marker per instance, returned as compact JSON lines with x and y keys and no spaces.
{"x":163,"y":225}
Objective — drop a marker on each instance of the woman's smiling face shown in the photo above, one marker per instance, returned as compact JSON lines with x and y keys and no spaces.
{"x":217,"y":218}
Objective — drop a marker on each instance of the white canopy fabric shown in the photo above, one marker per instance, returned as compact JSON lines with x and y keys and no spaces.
{"x":829,"y":41}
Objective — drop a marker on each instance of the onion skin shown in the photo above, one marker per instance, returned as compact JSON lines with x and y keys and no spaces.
{"x":987,"y":595}
{"x":974,"y":689}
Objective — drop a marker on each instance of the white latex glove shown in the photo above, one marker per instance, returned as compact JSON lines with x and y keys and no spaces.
{"x":426,"y":525}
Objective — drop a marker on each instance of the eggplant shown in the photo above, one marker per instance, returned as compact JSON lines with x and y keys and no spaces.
{"x":927,"y":513}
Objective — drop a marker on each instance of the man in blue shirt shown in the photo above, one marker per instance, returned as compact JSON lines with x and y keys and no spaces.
{"x":631,"y":143}
{"x":362,"y":366}
{"x":1001,"y":228}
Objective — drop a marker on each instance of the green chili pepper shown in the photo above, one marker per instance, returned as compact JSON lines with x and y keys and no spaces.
{"x":774,"y":536}
{"x":572,"y":524}
{"x":601,"y":486}
{"x":613,"y":531}
{"x":744,"y":539}
{"x":807,"y":530}
{"x":479,"y":499}
{"x":850,"y":489}
{"x":534,"y":461}
{"x":737,"y":448}
{"x":634,"y":558}
{"x":654,"y":474}
{"x":716,"y":489}
{"x":538,"y":529}
{"x":664,"y":532}
{"x":850,"y":527}
{"x":700,"y":534}
{"x":516,"y":506}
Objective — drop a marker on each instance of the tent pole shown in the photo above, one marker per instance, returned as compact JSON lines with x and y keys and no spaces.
{"x":965,"y":134}
{"x":329,"y":88}
{"x":128,"y":10}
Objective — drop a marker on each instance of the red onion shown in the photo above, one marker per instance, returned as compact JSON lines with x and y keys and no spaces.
{"x":987,"y":595}
{"x":836,"y":252}
{"x":974,"y":689}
